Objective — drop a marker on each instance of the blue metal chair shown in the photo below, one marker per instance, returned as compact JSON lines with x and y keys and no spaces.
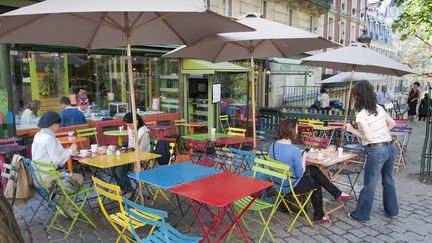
{"x":165,"y":232}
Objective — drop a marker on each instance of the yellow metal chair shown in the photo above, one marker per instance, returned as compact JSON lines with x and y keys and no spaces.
{"x":241,"y":132}
{"x":119,"y":220}
{"x":297,"y":202}
{"x":88,"y":132}
{"x":316,"y":123}
{"x":224,"y":123}
{"x":158,"y":190}
{"x":303,"y":121}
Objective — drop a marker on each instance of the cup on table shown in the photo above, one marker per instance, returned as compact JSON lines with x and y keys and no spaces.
{"x":94,"y":148}
{"x":83,"y":152}
{"x":340,"y":152}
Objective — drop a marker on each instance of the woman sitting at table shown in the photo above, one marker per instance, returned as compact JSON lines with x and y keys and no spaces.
{"x":304,"y":178}
{"x":46,"y":148}
{"x":119,"y":173}
{"x":29,"y":114}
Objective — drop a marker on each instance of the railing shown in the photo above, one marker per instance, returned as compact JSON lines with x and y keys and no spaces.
{"x":326,"y":3}
{"x":298,"y":96}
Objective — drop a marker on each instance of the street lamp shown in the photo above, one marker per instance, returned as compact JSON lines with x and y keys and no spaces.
{"x":365,"y":38}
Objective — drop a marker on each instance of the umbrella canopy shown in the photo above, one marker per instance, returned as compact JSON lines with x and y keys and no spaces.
{"x":358,"y":58}
{"x":112,"y":23}
{"x":346,"y":77}
{"x":105,"y":23}
{"x":270,"y":39}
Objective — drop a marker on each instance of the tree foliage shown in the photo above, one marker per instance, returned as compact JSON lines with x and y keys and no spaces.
{"x":415,"y":20}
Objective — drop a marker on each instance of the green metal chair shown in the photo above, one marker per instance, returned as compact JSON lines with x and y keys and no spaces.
{"x":224,"y":123}
{"x":271,"y":169}
{"x":72,"y":204}
{"x":88,"y":132}
{"x":297,"y":202}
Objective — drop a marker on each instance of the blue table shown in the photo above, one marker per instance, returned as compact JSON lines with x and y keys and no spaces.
{"x":166,"y":177}
{"x":169,"y":176}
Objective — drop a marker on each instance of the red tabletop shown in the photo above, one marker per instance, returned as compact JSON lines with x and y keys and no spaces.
{"x":222,"y":189}
{"x":232,"y":140}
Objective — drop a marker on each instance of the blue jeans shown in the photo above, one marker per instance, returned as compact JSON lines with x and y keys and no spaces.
{"x":119,"y":174}
{"x":380,"y":159}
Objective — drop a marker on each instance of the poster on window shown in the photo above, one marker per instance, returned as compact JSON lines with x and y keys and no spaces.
{"x":216,"y":93}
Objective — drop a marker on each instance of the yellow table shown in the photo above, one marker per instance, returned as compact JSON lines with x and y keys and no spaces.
{"x":109,"y":161}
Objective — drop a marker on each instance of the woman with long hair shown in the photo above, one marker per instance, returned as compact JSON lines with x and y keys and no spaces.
{"x":304,"y":178}
{"x":30,"y":110}
{"x":374,"y":125}
{"x":119,"y":173}
{"x":412,"y":100}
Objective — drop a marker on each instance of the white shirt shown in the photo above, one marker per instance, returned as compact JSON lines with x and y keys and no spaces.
{"x":383,"y":98}
{"x":377,"y":125}
{"x":28,"y":117}
{"x":143,"y":139}
{"x":47,"y":148}
{"x":325,"y":100}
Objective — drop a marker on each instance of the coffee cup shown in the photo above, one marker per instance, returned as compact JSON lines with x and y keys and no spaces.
{"x":83,"y":152}
{"x":94,"y":148}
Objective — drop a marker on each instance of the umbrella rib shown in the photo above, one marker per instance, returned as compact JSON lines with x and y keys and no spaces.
{"x":152,"y":20}
{"x":219,"y":51}
{"x":96,"y":30}
{"x":114,"y":23}
{"x":136,"y":20}
{"x":174,"y":31}
{"x":108,"y":24}
{"x":23,"y":25}
{"x":277,"y":48}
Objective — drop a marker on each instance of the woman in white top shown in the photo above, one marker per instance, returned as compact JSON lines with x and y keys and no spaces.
{"x":29,"y":114}
{"x":374,"y":125}
{"x":119,"y":173}
{"x":47,"y":148}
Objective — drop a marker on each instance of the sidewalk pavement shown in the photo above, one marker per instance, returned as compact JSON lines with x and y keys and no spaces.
{"x":413,"y":225}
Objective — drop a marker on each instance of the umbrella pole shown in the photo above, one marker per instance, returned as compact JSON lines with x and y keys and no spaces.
{"x":133,"y":107}
{"x":253,"y":99}
{"x":349,"y":97}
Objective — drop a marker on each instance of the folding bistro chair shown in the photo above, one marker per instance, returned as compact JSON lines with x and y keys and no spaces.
{"x":243,"y":160}
{"x":10,"y":177}
{"x":304,"y":132}
{"x":119,"y":220}
{"x":165,"y":232}
{"x":223,"y":160}
{"x":88,"y":132}
{"x":198,"y":153}
{"x":224,"y":123}
{"x":317,"y":142}
{"x":67,"y":203}
{"x":158,"y":190}
{"x":273,"y":170}
{"x":241,"y":132}
{"x":297,"y":202}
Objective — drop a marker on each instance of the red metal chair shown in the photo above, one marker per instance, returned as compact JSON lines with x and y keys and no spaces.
{"x":198,"y":153}
{"x":303,"y":133}
{"x":317,"y":142}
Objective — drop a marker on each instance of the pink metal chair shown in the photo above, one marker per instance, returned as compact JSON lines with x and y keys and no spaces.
{"x":317,"y":142}
{"x":198,"y":153}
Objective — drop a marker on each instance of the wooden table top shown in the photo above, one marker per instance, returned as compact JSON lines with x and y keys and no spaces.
{"x":109,"y":161}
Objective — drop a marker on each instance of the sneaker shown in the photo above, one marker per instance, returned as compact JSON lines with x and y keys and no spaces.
{"x":392,"y":217}
{"x":356,"y":219}
{"x":323,"y":220}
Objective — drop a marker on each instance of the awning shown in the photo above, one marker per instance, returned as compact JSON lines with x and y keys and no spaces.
{"x":193,"y":66}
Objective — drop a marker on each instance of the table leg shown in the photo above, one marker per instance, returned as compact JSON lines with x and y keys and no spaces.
{"x":2,"y":160}
{"x":70,"y":165}
{"x":120,"y":141}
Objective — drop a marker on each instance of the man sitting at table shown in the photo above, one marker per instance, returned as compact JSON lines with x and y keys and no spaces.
{"x":70,"y":116}
{"x":304,"y":178}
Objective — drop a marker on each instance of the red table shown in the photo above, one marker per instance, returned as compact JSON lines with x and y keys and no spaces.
{"x":221,"y":191}
{"x":160,"y":129}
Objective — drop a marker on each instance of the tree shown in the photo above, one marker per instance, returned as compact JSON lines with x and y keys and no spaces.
{"x":415,"y":20}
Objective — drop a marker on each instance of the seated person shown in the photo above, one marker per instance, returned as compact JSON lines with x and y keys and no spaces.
{"x":29,"y":114}
{"x":46,"y":148}
{"x":70,"y":116}
{"x":119,"y":173}
{"x":304,"y":178}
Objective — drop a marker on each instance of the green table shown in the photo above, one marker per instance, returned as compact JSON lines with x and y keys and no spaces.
{"x":205,"y":136}
{"x":118,"y":134}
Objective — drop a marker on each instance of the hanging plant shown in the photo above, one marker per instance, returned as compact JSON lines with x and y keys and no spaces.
{"x":48,"y":84}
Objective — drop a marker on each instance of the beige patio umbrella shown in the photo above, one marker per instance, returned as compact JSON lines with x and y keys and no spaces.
{"x":357,"y":58}
{"x":114,"y":23}
{"x":344,"y":77}
{"x":270,"y":39}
